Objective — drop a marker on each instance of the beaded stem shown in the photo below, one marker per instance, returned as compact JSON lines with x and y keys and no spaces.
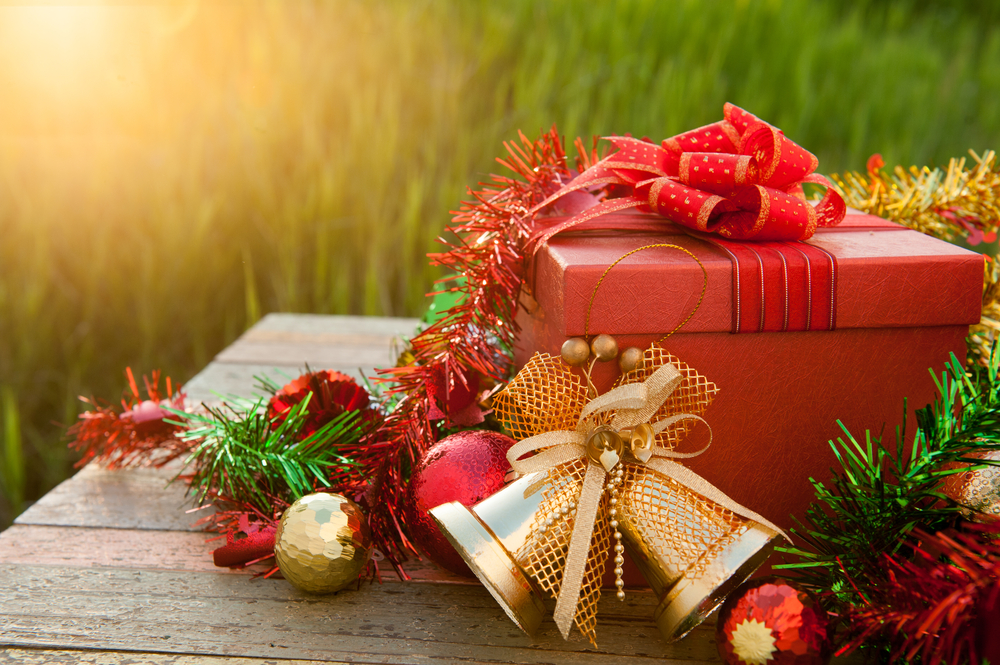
{"x":613,"y":486}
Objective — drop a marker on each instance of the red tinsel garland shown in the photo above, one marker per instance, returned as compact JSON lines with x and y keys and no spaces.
{"x":943,"y":605}
{"x":471,"y":341}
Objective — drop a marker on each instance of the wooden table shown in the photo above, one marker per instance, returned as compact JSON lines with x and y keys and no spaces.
{"x":106,"y":568}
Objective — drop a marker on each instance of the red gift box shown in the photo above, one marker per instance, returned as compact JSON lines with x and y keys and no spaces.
{"x":795,"y":335}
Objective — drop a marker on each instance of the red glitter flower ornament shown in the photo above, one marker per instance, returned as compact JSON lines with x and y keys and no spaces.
{"x":333,"y":393}
{"x":770,"y":621}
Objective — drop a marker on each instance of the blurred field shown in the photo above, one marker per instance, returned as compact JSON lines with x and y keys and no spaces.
{"x":169,"y":173}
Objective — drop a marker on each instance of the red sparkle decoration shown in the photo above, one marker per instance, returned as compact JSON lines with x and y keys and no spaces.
{"x":249,"y":543}
{"x":941,"y":606}
{"x":137,"y":435}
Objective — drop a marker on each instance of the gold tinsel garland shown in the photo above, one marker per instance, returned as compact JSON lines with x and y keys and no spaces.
{"x":945,"y":203}
{"x":982,"y":335}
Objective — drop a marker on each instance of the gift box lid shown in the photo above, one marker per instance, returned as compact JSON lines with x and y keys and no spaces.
{"x":874,"y":273}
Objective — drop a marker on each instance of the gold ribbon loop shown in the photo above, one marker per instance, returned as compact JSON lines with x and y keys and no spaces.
{"x":556,"y":448}
{"x":579,"y":548}
{"x":663,"y":424}
{"x":635,"y":403}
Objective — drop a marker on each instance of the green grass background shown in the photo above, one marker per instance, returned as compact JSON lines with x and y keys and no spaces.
{"x":199,"y":165}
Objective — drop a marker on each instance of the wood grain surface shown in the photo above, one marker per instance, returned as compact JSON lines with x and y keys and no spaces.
{"x":67,"y":657}
{"x":133,"y":499}
{"x":107,"y":568}
{"x":149,"y":549}
{"x":279,"y":346}
{"x":213,"y":614}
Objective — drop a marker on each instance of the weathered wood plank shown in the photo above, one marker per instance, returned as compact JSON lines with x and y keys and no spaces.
{"x":268,"y":336}
{"x":317,"y":355}
{"x":292,"y":340}
{"x":279,"y":346}
{"x":130,"y":506}
{"x":220,"y":380}
{"x":212,"y":614}
{"x":125,"y":499}
{"x":82,"y":547}
{"x":67,"y":657}
{"x":325,"y":324}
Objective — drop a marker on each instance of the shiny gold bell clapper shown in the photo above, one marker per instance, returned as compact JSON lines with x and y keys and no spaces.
{"x":704,"y":553}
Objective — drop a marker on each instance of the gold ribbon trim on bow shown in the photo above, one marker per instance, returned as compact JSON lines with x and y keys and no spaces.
{"x":546,"y":409}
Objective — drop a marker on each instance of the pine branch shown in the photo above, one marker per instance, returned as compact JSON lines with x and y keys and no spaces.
{"x":251,"y":459}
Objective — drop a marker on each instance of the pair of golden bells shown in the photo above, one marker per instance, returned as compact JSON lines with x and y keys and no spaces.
{"x":601,"y":480}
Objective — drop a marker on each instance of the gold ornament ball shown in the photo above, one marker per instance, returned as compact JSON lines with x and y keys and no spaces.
{"x":604,"y":347}
{"x":978,"y":491}
{"x":630,"y":360}
{"x":322,"y":543}
{"x":575,"y":351}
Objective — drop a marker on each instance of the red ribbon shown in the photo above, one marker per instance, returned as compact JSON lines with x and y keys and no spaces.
{"x":781,"y":286}
{"x":740,"y":178}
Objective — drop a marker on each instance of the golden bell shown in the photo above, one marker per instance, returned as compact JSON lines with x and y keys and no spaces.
{"x":692,"y":551}
{"x":489,"y":534}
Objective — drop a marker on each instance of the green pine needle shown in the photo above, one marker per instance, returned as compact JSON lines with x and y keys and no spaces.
{"x":879,"y":494}
{"x":244,"y":456}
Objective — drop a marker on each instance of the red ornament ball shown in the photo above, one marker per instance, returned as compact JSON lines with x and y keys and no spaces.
{"x":466,"y":467}
{"x":772,"y":621}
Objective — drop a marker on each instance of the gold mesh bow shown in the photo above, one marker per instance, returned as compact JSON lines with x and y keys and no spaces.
{"x":546,"y":409}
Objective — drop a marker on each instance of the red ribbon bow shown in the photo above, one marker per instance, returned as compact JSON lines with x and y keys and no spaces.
{"x":739,"y":177}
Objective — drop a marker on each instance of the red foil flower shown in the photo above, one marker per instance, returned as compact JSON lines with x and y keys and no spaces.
{"x":333,"y":393}
{"x":246,"y":542}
